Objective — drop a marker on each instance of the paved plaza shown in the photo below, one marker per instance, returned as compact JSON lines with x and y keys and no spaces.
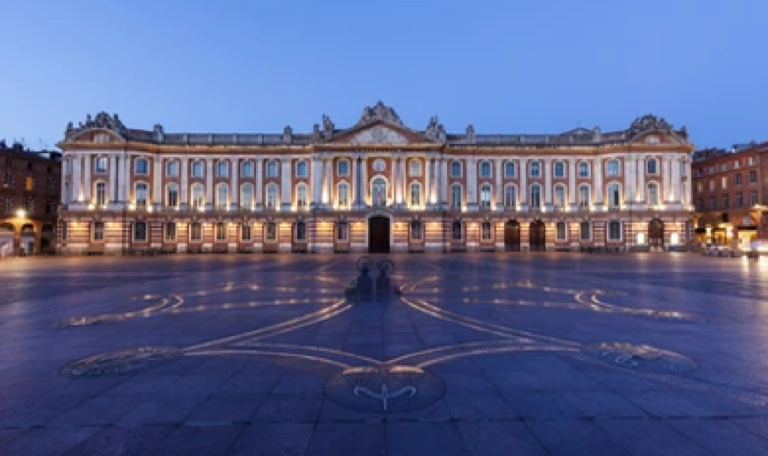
{"x":477,"y":354}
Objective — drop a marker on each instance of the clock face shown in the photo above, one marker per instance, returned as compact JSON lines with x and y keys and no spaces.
{"x":379,"y":165}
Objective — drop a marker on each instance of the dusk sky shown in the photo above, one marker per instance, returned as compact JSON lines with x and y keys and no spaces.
{"x":503,"y":66}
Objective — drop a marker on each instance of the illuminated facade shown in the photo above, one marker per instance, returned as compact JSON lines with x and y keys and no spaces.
{"x":377,"y":186}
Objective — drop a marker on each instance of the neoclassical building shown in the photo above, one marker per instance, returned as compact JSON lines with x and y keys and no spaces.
{"x":376,"y":186}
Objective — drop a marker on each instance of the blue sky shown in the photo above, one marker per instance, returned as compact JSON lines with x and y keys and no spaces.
{"x":504,"y":66}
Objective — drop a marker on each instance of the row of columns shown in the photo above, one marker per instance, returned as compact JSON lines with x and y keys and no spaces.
{"x":435,"y":169}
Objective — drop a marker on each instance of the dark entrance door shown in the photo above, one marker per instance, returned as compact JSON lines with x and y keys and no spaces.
{"x":512,"y":236}
{"x":378,"y":235}
{"x":656,"y":234}
{"x":538,"y":240}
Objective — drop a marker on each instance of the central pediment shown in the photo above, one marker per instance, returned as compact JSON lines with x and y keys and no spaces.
{"x":378,"y":134}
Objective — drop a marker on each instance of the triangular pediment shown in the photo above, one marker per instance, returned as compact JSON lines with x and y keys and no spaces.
{"x":380,"y":132}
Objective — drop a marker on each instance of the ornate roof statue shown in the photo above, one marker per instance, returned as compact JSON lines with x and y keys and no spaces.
{"x":328,"y":127}
{"x":435,"y":130}
{"x":470,"y":133}
{"x":102,"y":120}
{"x":649,"y":122}
{"x":379,"y":112}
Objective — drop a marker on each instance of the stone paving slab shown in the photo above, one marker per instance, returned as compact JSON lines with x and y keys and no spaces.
{"x":550,"y":354}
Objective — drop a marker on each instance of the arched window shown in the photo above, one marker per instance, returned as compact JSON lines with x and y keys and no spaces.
{"x":584,"y":199}
{"x":652,"y":166}
{"x":614,"y":195}
{"x":415,"y":194}
{"x":172,"y":168}
{"x":456,"y":195}
{"x":272,"y":168}
{"x":379,"y":191}
{"x":142,"y":166}
{"x":583,"y":169}
{"x":485,"y":169}
{"x":101,"y":194}
{"x":197,"y":168}
{"x":559,"y":196}
{"x":510,"y":196}
{"x":301,"y":195}
{"x":142,"y":194}
{"x":612,"y":168}
{"x":272,"y":196}
{"x":485,"y":195}
{"x":246,"y":195}
{"x":222,"y":168}
{"x":222,"y":196}
{"x":653,"y":194}
{"x":172,"y":195}
{"x":509,"y":169}
{"x":342,"y":195}
{"x":535,"y":196}
{"x":414,"y":168}
{"x":559,"y":169}
{"x":456,"y":169}
{"x":198,"y":195}
{"x":301,"y":169}
{"x":246,"y":169}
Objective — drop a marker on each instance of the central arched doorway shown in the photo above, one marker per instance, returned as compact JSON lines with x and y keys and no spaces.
{"x":538,"y":236}
{"x":512,"y":236}
{"x":656,"y":234}
{"x":378,"y":234}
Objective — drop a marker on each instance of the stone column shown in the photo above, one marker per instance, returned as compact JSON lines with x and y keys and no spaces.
{"x":472,"y":182}
{"x":259,"y":190}
{"x":364,"y":181}
{"x":285,"y":184}
{"x":157,"y":182}
{"x":184,"y":186}
{"x":122,"y":172}
{"x":629,"y":179}
{"x":547,"y":182}
{"x":640,"y":179}
{"x":666,"y":177}
{"x":209,"y":183}
{"x":314,"y":173}
{"x":499,"y":185}
{"x":522,"y":192}
{"x":87,"y":166}
{"x":77,"y":178}
{"x":235,"y":192}
{"x":572,"y":182}
{"x":434,"y":172}
{"x":597,"y":166}
{"x":676,"y":182}
{"x":443,"y":182}
{"x":112,"y":178}
{"x":395,"y":176}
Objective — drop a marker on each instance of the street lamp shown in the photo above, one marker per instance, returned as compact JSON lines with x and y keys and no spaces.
{"x":21,"y":213}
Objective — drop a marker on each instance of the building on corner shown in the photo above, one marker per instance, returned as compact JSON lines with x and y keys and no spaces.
{"x":29,"y":199}
{"x":374,"y":186}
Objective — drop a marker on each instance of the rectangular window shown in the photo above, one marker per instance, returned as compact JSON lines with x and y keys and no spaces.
{"x":585,"y":231}
{"x":301,"y":231}
{"x":170,"y":231}
{"x":724,"y":182}
{"x":752,"y":199}
{"x":509,"y":169}
{"x":560,"y":231}
{"x":343,"y":195}
{"x":485,"y":231}
{"x":712,"y":203}
{"x":64,"y":231}
{"x":723,"y":167}
{"x":197,"y":169}
{"x":699,"y":187}
{"x":342,"y":231}
{"x":29,"y":184}
{"x":101,"y":165}
{"x":711,"y":185}
{"x":416,"y":230}
{"x":751,"y":161}
{"x":725,"y":202}
{"x":736,"y":164}
{"x":456,"y":230}
{"x":98,"y":231}
{"x":614,"y":231}
{"x":752,"y":177}
{"x":737,"y":179}
{"x":738,"y":201}
{"x":245,"y":232}
{"x":140,"y":231}
{"x":221,"y":231}
{"x":195,"y":232}
{"x":271,"y":232}
{"x":583,"y":169}
{"x":342,"y":168}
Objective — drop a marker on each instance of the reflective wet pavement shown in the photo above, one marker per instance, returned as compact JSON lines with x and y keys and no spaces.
{"x":481,"y":354}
